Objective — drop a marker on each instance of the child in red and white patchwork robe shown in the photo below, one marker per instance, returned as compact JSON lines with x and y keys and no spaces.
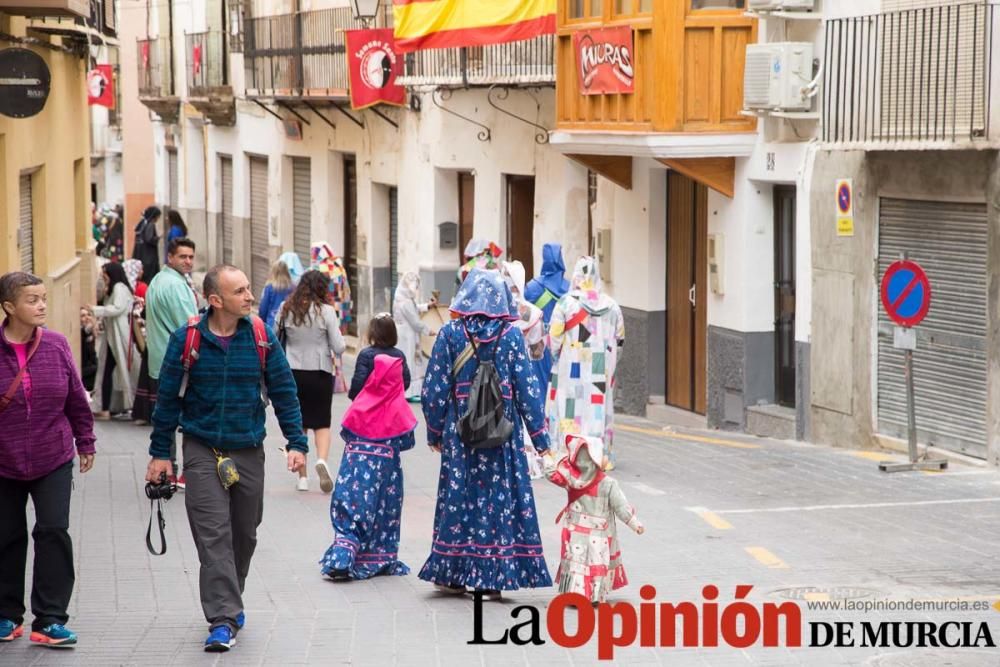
{"x":590,"y":562}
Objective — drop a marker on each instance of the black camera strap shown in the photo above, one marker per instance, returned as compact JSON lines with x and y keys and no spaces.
{"x":162,"y":524}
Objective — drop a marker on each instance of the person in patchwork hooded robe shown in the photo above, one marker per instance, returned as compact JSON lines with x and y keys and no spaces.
{"x":586,"y":335}
{"x":367,"y":502}
{"x":478,"y":254}
{"x":324,"y":261}
{"x":590,"y":560}
{"x":544,"y":292}
{"x":533,"y":328}
{"x":485,"y":524}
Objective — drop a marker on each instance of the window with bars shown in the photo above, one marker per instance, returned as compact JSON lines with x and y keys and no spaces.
{"x":235,"y":12}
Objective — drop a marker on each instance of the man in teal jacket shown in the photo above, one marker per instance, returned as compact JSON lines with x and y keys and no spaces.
{"x":169,"y":304}
{"x":222,"y":414}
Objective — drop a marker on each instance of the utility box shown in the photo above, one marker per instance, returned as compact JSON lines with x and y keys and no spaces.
{"x":777,"y":76}
{"x":716,"y":281}
{"x":448,"y":235}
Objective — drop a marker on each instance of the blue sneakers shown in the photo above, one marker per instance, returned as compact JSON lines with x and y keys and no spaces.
{"x":220,"y":639}
{"x":55,"y":636}
{"x":241,"y":619}
{"x":9,"y":631}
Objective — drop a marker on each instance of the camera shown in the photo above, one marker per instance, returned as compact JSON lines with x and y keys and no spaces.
{"x":162,"y":490}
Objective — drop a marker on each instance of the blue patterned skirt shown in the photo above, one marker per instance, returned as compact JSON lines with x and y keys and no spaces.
{"x":365,"y":509}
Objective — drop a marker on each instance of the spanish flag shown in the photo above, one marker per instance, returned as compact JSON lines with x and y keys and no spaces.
{"x":440,"y":24}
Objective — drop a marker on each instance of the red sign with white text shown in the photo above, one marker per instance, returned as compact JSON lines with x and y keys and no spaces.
{"x":101,"y":86}
{"x":374,"y":66}
{"x":604,"y":61}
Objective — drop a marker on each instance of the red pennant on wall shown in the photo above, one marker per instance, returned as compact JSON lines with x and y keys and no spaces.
{"x":101,"y":86}
{"x":374,"y":66}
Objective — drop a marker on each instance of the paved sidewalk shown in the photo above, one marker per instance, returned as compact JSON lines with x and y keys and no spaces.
{"x":719,"y":509}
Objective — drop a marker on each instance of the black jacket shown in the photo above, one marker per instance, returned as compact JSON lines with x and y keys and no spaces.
{"x":146,"y":248}
{"x":366,"y":363}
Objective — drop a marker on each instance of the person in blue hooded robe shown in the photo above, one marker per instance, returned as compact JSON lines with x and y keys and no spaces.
{"x":544,"y":291}
{"x":485,"y":526}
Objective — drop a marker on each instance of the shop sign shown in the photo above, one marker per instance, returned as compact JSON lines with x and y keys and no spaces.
{"x":24,"y":83}
{"x":605,"y":60}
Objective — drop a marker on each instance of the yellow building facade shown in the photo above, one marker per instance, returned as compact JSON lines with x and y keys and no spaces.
{"x":45,"y":220}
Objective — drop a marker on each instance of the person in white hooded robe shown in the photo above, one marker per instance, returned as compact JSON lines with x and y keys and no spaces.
{"x":406,"y":310}
{"x":533,"y":329}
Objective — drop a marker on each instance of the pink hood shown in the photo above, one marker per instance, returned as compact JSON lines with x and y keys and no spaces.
{"x":380,"y":411}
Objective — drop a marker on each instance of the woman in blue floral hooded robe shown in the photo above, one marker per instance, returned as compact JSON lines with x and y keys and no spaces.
{"x":485,"y":525}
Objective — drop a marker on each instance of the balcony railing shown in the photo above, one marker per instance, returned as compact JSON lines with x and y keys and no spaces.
{"x":917,"y":78}
{"x":154,"y":67}
{"x":206,"y":62}
{"x":525,"y":62}
{"x":296,"y":55}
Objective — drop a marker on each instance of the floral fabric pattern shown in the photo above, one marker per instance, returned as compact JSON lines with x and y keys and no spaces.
{"x":366,"y":508}
{"x":485,"y":525}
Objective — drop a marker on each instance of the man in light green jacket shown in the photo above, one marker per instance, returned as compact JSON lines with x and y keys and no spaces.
{"x":170,"y":301}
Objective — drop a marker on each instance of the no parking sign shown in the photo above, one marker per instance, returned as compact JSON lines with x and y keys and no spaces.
{"x":906,"y":293}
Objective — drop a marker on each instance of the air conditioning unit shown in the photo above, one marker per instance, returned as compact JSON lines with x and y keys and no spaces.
{"x":781,"y":5}
{"x":776,"y":76}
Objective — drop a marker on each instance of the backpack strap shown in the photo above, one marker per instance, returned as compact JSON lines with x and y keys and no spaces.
{"x":263,"y":345}
{"x":192,"y":343}
{"x":12,"y":389}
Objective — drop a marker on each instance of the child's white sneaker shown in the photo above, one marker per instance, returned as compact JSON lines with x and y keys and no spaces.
{"x":303,"y":484}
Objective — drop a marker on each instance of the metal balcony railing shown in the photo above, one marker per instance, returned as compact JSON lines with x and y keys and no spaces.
{"x":153,"y":66}
{"x":206,"y":61}
{"x":296,"y":55}
{"x":529,"y":61}
{"x":918,"y":78}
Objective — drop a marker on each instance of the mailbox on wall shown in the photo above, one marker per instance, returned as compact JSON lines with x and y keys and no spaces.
{"x":448,"y":235}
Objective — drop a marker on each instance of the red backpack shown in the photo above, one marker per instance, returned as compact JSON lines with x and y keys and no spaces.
{"x":193,"y":343}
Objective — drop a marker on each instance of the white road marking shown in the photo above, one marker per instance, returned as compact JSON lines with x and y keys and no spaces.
{"x":813,"y":508}
{"x":647,"y":489}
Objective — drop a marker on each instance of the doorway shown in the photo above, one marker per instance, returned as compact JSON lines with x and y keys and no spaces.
{"x":687,"y":312}
{"x":521,"y":221}
{"x":466,"y":210}
{"x":351,"y":236}
{"x":784,"y":295}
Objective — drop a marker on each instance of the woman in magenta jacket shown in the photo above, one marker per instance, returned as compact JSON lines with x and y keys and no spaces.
{"x":45,"y":421}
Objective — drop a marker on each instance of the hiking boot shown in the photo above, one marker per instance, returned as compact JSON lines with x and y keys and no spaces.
{"x":55,"y":636}
{"x":9,"y":631}
{"x":220,"y":639}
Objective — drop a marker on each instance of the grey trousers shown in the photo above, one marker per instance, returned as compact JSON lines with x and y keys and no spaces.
{"x":224,"y":525}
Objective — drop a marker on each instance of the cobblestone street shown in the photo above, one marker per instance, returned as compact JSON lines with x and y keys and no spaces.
{"x":719,"y":509}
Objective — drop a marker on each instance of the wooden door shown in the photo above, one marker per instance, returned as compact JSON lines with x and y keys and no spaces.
{"x":351,"y":235}
{"x":521,"y":221}
{"x":466,"y":209}
{"x":687,"y":322}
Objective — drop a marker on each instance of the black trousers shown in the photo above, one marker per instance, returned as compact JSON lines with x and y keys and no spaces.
{"x":108,"y":381}
{"x":53,"y":576}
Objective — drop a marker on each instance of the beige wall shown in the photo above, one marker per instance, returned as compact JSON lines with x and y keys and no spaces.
{"x":54,"y":147}
{"x":137,"y":128}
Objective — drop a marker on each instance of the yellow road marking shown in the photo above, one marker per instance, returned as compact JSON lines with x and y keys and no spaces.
{"x":996,"y":605}
{"x":711,"y":518}
{"x":817,"y":597}
{"x":690,"y":438}
{"x":766,"y":558}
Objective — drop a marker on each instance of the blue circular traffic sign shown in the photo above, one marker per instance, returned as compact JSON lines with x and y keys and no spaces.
{"x":906,"y":293}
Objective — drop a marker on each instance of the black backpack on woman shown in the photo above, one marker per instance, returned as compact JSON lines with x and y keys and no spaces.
{"x":483,"y":425}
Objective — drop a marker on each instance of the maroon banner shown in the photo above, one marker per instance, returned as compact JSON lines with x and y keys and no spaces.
{"x":373,"y":66}
{"x":604,"y":62}
{"x":101,"y":86}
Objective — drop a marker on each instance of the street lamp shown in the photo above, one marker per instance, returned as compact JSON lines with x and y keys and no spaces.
{"x":364,"y":10}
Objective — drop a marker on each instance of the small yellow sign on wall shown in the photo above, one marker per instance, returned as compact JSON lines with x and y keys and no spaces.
{"x":845,"y":207}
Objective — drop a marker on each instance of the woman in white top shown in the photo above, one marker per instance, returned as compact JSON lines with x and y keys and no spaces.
{"x":406,"y":312}
{"x":310,"y":330}
{"x":117,"y":370}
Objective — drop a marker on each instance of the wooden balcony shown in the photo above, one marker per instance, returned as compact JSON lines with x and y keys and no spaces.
{"x":208,"y":76}
{"x":688,"y":88}
{"x":67,"y":8}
